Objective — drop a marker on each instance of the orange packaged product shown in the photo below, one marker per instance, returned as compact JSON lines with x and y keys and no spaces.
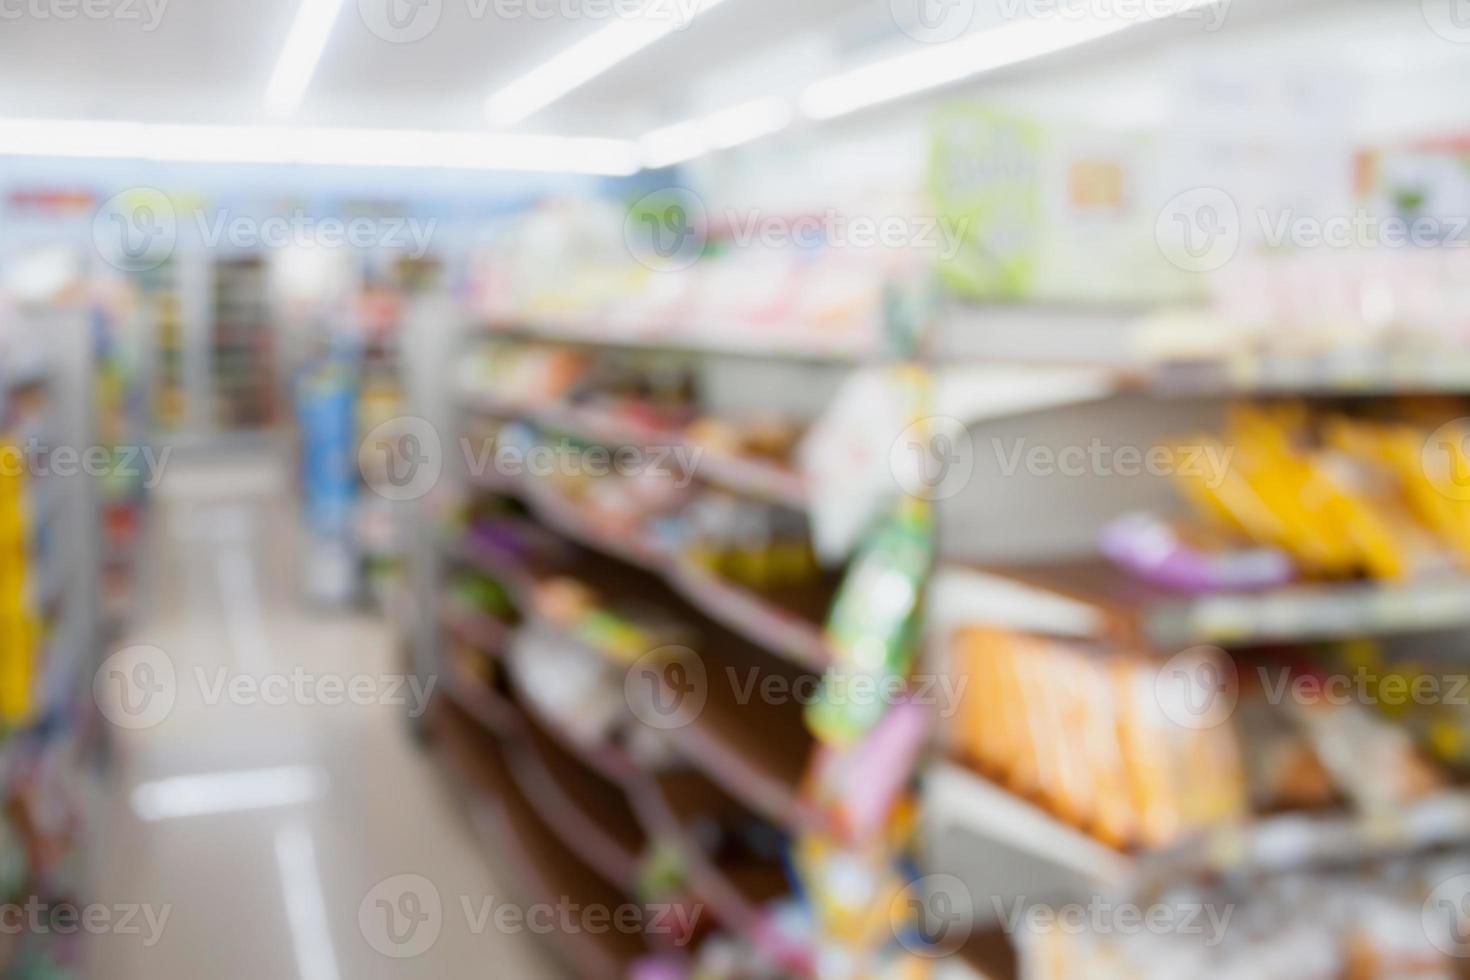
{"x":975,"y":654}
{"x":1030,"y":768}
{"x":1012,"y":737}
{"x":1114,"y":819}
{"x":1151,"y":768}
{"x":1077,"y":800}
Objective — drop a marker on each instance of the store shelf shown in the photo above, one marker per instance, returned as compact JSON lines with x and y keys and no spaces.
{"x":1033,"y":336}
{"x":756,"y":478}
{"x":470,"y":752}
{"x":666,"y":803}
{"x":748,"y":748}
{"x":780,"y":630}
{"x":752,"y":477}
{"x":1363,"y":372}
{"x":512,"y":833}
{"x":1290,"y":841}
{"x":605,"y":758}
{"x":472,"y":627}
{"x":760,"y":620}
{"x":495,"y":562}
{"x":733,"y":340}
{"x":1037,"y":333}
{"x":590,"y":816}
{"x":569,"y":520}
{"x":477,"y":700}
{"x":988,"y":955}
{"x":956,"y":797}
{"x":757,"y":752}
{"x":1092,"y":595}
{"x":551,"y":874}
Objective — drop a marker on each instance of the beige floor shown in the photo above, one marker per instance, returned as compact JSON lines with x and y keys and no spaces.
{"x":276,"y":893}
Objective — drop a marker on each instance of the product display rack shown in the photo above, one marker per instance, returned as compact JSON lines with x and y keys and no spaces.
{"x":243,"y":349}
{"x":48,"y":394}
{"x":1003,"y":844}
{"x":611,"y":804}
{"x":1087,"y":595}
{"x":163,"y":303}
{"x":122,"y":427}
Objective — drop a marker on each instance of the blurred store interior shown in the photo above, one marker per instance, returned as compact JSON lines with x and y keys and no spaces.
{"x":735,"y":489}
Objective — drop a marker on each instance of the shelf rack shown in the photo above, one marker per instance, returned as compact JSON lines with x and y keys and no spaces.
{"x":960,"y":798}
{"x":1029,"y":337}
{"x":782,"y":631}
{"x":1003,"y":838}
{"x":602,"y":806}
{"x":757,"y":478}
{"x":1082,"y":597}
{"x":723,"y":757}
{"x":1089,"y":596}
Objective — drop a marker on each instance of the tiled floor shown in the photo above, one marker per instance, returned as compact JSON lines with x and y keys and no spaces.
{"x":276,"y":884}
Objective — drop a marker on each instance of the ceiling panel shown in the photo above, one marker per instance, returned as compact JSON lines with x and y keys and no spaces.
{"x":210,"y":60}
{"x":433,"y":72}
{"x":203,"y":60}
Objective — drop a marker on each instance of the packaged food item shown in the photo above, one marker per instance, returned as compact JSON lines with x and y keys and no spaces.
{"x":855,"y":894}
{"x":520,"y":375}
{"x":872,"y":629}
{"x":1378,"y":921}
{"x":1157,"y":552}
{"x":759,"y":545}
{"x":20,"y":628}
{"x":859,"y":787}
{"x":1374,"y":762}
{"x":1084,"y":731}
{"x":1282,"y":767}
{"x":1334,"y":496}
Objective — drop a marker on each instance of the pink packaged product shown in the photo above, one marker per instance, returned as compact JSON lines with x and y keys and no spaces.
{"x":1153,"y":551}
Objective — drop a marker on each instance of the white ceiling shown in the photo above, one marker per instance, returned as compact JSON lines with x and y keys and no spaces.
{"x":209,"y":61}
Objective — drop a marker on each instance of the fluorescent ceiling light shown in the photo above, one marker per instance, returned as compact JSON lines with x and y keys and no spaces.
{"x":318,"y":145}
{"x":228,"y":792}
{"x":719,"y":131}
{"x":299,"y":58}
{"x":987,"y":50}
{"x":589,"y":58}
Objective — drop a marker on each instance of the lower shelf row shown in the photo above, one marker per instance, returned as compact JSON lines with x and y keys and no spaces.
{"x":671,"y":846}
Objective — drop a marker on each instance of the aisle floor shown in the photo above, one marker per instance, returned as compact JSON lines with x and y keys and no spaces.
{"x":316,"y":805}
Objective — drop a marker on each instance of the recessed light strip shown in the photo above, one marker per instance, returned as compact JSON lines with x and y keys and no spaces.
{"x":590,"y":57}
{"x":907,"y":74}
{"x":718,"y":131}
{"x":300,"y":55}
{"x":318,"y":145}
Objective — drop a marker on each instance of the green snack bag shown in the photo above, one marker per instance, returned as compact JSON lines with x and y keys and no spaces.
{"x":872,"y":630}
